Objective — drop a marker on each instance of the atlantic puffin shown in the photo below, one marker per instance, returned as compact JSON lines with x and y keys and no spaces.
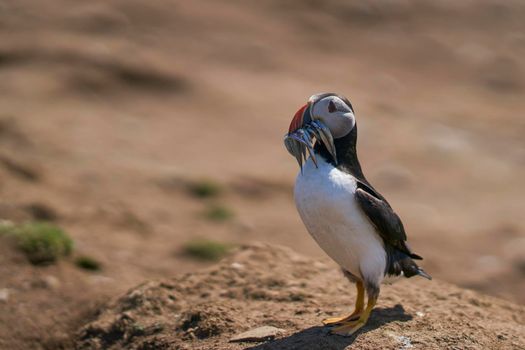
{"x":347,"y":217}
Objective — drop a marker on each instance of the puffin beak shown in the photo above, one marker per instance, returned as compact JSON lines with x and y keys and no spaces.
{"x":301,"y":134}
{"x":297,"y":121}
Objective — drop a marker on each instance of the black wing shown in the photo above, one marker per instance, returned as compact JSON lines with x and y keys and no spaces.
{"x":383,"y":217}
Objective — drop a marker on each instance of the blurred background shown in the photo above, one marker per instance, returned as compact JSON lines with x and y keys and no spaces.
{"x":148,"y":135}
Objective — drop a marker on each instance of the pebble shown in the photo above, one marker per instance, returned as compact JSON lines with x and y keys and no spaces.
{"x":4,"y":295}
{"x":47,"y":282}
{"x":237,"y":266}
{"x":51,"y":282}
{"x":257,"y":334}
{"x":406,"y":342}
{"x":319,"y":265}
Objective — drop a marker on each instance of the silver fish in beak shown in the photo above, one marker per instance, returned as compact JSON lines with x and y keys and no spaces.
{"x":304,"y":132}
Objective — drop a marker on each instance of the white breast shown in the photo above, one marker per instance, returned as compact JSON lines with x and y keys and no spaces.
{"x":325,"y":200}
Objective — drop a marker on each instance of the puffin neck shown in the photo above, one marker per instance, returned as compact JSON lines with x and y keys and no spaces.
{"x":346,"y":154}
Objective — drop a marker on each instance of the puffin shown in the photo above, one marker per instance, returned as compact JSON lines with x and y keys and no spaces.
{"x":347,"y":217}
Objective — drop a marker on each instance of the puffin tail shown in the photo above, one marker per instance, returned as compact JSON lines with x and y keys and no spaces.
{"x":422,"y":273}
{"x":410,"y":268}
{"x":415,"y":256}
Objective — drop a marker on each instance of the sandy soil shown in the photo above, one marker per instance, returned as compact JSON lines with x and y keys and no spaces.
{"x":271,"y":286}
{"x":110,"y":108}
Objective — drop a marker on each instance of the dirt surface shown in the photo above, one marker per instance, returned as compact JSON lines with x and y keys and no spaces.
{"x":271,"y":286}
{"x":110,"y":109}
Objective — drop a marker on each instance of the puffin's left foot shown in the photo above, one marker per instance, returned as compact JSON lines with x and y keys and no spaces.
{"x":341,"y":320}
{"x":348,"y":328}
{"x":359,"y":307}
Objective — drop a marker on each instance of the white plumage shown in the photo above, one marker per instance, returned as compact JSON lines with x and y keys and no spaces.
{"x":324,"y":197}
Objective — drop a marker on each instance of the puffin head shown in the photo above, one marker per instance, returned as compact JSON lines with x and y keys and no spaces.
{"x":324,"y":117}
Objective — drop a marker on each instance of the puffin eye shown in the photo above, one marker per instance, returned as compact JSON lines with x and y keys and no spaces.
{"x":331,"y":107}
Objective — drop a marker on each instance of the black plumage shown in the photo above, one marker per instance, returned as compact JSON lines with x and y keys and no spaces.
{"x":386,"y":222}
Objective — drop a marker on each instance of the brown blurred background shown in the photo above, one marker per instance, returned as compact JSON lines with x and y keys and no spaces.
{"x":139,"y":126}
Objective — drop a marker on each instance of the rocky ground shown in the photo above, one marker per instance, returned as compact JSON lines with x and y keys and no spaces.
{"x":263,"y":285}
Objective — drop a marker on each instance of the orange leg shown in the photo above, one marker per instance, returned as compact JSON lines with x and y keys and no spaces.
{"x":359,"y":306}
{"x":349,"y":328}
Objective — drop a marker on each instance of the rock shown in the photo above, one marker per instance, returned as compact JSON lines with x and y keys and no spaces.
{"x":237,"y":266}
{"x":46,"y":282}
{"x":260,"y":334}
{"x":51,"y":282}
{"x":276,"y":286}
{"x":4,"y":295}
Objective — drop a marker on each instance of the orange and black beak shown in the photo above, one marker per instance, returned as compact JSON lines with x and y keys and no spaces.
{"x":301,"y":133}
{"x":302,"y":116}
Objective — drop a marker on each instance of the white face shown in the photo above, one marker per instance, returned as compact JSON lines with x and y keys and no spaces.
{"x":335,"y":114}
